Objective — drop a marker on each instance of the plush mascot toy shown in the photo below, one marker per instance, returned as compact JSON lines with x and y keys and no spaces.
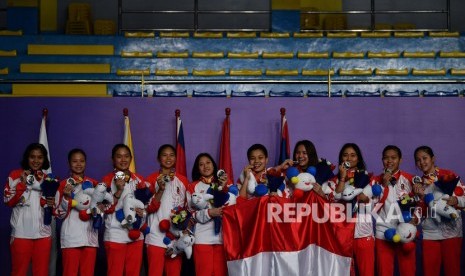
{"x":183,"y":244}
{"x":98,"y":194}
{"x":303,"y":181}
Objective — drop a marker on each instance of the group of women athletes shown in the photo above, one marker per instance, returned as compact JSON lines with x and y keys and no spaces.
{"x":170,"y":192}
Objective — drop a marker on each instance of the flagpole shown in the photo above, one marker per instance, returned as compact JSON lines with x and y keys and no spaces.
{"x":44,"y":113}
{"x":125,"y":112}
{"x":177,"y":113}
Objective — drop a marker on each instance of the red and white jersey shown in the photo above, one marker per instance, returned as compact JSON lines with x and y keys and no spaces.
{"x":391,"y":195}
{"x":74,"y":231}
{"x":173,"y":196}
{"x":27,"y":216}
{"x":114,"y":232}
{"x":205,"y":226}
{"x":432,"y":230}
{"x":364,"y":221}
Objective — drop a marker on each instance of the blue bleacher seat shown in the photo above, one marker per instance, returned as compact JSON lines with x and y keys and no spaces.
{"x":286,"y":93}
{"x":209,"y":93}
{"x":454,"y":93}
{"x":170,"y":93}
{"x":248,"y":93}
{"x":386,"y":93}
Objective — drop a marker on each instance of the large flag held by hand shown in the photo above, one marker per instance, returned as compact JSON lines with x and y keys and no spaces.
{"x":180,"y":148}
{"x":285,"y":150}
{"x":271,"y":235}
{"x":128,"y":139}
{"x":225,"y":147}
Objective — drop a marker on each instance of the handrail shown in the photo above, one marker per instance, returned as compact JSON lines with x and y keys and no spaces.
{"x":242,"y":81}
{"x":196,"y":12}
{"x":373,"y":12}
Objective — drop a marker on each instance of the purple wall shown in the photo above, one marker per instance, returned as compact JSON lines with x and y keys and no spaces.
{"x":96,"y":124}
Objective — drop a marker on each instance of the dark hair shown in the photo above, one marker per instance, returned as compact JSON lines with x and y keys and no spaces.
{"x":257,"y":147}
{"x":74,"y":151}
{"x":163,"y":147}
{"x":35,"y":146}
{"x":361,"y":163}
{"x":195,"y":169}
{"x":310,"y":149}
{"x":394,"y":148}
{"x":426,"y":149}
{"x":119,"y":146}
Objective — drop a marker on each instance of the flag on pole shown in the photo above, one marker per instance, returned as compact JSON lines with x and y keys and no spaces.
{"x":43,"y":136}
{"x":180,"y":147}
{"x":285,"y":150}
{"x":128,"y":139}
{"x":43,"y":139}
{"x":225,"y":147}
{"x":274,"y":236}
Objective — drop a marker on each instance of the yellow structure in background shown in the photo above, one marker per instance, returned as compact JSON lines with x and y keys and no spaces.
{"x":322,"y":21}
{"x":48,"y":15}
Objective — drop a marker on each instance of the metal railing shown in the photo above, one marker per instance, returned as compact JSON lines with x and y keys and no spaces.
{"x":196,"y":13}
{"x":373,"y":12}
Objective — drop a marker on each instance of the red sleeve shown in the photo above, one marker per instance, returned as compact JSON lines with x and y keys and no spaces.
{"x":11,"y":196}
{"x":184,"y":181}
{"x":141,"y":184}
{"x":107,"y":179}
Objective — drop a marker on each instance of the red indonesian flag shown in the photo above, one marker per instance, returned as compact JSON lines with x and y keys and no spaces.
{"x":225,"y":147}
{"x":180,"y":148}
{"x":258,"y":240}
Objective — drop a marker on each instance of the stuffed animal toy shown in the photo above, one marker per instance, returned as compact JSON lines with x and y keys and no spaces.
{"x":404,"y":233}
{"x":350,"y":192}
{"x":177,"y":246}
{"x":254,"y":188}
{"x":303,"y":181}
{"x":81,"y":202}
{"x":138,"y":226}
{"x":439,"y":208}
{"x":175,"y":226}
{"x":49,"y":189}
{"x":201,"y":201}
{"x":127,"y":215}
{"x":98,"y":194}
{"x":220,"y":199}
{"x":324,"y":171}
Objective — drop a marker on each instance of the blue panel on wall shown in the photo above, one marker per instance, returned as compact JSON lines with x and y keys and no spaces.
{"x":23,"y":18}
{"x":129,"y":93}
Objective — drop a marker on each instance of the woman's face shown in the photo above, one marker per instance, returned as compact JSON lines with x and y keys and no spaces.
{"x":301,"y":156}
{"x":122,"y":159}
{"x":167,"y":158}
{"x":205,"y":166}
{"x":424,"y":162}
{"x":351,"y":156}
{"x":36,"y":159}
{"x":77,"y":163}
{"x":391,"y":160}
{"x":258,"y":160}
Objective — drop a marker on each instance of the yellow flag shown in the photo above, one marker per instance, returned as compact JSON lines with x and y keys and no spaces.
{"x":128,"y":142}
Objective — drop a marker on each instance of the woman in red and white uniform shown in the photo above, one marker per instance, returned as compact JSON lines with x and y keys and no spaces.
{"x":257,"y":156}
{"x":79,"y":239}
{"x":30,"y":239}
{"x":208,"y":248}
{"x":124,"y":255}
{"x":442,"y":241}
{"x":169,"y":190}
{"x":397,"y":185}
{"x":352,"y":171}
